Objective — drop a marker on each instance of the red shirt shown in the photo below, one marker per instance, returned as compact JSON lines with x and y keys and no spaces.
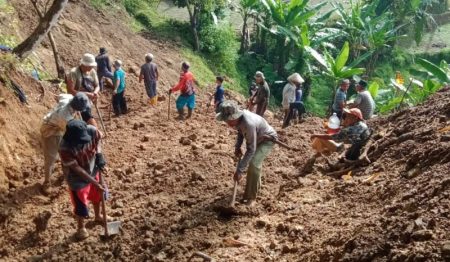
{"x":186,"y":83}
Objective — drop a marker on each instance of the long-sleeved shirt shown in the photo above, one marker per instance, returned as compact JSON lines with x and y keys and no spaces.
{"x":288,"y":95}
{"x":103,"y":64}
{"x":186,"y":84}
{"x":219,"y":95}
{"x":263,"y":93}
{"x":252,"y":128}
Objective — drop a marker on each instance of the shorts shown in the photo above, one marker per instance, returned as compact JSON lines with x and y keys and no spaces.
{"x":81,"y":197}
{"x":186,"y":100}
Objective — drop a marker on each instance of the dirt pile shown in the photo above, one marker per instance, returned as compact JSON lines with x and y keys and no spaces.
{"x":167,"y":178}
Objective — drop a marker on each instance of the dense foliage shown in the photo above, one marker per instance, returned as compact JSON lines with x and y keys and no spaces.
{"x":355,"y":40}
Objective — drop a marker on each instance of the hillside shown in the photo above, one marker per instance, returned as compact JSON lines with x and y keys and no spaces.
{"x":167,"y":192}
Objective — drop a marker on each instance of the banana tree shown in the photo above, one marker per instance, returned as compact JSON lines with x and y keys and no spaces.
{"x":247,"y":9}
{"x":335,"y":69}
{"x":288,"y":20}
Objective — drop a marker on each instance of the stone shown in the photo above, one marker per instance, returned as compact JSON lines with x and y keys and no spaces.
{"x":260,"y":223}
{"x":159,"y":166}
{"x":141,"y":124}
{"x":192,"y":137}
{"x":185,"y":141}
{"x":422,"y":235}
{"x":272,"y":245}
{"x":141,"y":147}
{"x":117,"y":204}
{"x":146,"y":138}
{"x":445,"y":249}
{"x":209,"y":146}
{"x":136,"y":126}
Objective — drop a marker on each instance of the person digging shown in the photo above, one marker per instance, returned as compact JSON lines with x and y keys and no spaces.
{"x":258,"y":135}
{"x":187,"y":92}
{"x":81,"y":158}
{"x":54,"y":125}
{"x":355,"y":132}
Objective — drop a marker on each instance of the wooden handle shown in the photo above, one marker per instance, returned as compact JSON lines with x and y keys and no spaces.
{"x":233,"y":199}
{"x":105,"y":221}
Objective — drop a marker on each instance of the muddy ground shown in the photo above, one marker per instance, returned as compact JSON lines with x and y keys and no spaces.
{"x":167,"y":178}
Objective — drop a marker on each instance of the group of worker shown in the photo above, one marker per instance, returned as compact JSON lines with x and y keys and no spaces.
{"x":71,"y":131}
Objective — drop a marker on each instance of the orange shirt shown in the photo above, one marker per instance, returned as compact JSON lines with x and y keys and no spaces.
{"x":186,"y":82}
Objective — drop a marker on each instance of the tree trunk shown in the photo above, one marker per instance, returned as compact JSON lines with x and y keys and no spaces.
{"x":281,"y":55}
{"x":244,"y":37}
{"x":193,"y":18}
{"x":59,"y":64}
{"x":25,"y":48}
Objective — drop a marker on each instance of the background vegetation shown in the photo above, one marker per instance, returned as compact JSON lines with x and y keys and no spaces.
{"x":324,"y":42}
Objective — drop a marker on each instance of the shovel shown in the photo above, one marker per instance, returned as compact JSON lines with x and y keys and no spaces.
{"x":101,"y":118}
{"x":229,"y":211}
{"x":111,"y":228}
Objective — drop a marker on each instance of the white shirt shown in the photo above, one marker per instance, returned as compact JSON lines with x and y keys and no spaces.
{"x":288,"y":95}
{"x":55,"y":121}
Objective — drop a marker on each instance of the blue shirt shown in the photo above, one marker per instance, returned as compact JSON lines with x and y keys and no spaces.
{"x":298,"y":95}
{"x":119,"y":75}
{"x":219,"y":94}
{"x":341,"y":96}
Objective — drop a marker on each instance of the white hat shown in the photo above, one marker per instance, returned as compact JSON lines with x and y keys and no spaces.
{"x":88,"y":60}
{"x":296,"y":78}
{"x":118,"y":63}
{"x":149,"y":55}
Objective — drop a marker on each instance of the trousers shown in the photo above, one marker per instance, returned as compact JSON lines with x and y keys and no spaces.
{"x":253,"y":181}
{"x":50,"y":145}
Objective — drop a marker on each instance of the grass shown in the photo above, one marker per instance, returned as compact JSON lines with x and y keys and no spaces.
{"x":199,"y":68}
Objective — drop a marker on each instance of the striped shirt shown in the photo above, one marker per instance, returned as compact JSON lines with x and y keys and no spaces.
{"x":82,"y":155}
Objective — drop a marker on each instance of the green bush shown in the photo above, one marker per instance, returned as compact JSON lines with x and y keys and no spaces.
{"x":219,"y":44}
{"x":144,"y":19}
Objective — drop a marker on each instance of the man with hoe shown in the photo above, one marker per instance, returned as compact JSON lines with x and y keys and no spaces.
{"x":187,"y":90}
{"x":54,"y":126}
{"x":150,"y":75}
{"x":259,"y":137}
{"x":340,"y":98}
{"x":262,"y":95}
{"x":81,"y":159}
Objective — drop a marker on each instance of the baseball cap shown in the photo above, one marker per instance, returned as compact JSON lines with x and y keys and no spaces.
{"x":76,"y":132}
{"x":80,"y":102}
{"x":354,"y":111}
{"x":228,"y":110}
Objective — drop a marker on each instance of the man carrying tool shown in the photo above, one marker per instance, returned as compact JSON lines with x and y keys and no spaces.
{"x":355,"y":132}
{"x":364,"y":100}
{"x":149,"y":73}
{"x":340,"y":98}
{"x":81,"y":159}
{"x":187,"y":90}
{"x":262,"y":95}
{"x":118,"y":101}
{"x":259,"y":137}
{"x":54,"y":126}
{"x":103,"y":67}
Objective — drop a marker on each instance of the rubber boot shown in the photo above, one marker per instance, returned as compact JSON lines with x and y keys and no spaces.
{"x":189,"y":115}
{"x":180,"y":114}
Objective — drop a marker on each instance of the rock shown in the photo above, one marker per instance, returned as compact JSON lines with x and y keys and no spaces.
{"x":209,"y":146}
{"x":445,"y":249}
{"x":161,"y":98}
{"x":117,"y":204}
{"x":26,"y":181}
{"x":148,"y":242}
{"x":136,"y":126}
{"x":146,"y":138}
{"x":422,"y":235}
{"x":141,"y":124}
{"x":194,"y":147}
{"x":260,"y":223}
{"x":159,"y":166}
{"x":129,"y":170}
{"x":196,"y":176}
{"x":107,"y":255}
{"x":141,"y":147}
{"x":192,"y":137}
{"x":272,"y":245}
{"x":185,"y":141}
